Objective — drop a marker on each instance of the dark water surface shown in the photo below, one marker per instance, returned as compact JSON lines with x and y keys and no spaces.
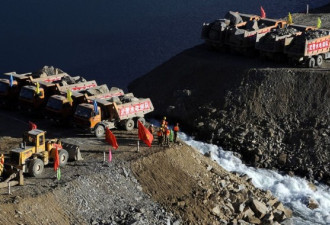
{"x":112,"y":41}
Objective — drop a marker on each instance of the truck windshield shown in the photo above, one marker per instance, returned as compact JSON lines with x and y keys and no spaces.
{"x":83,"y":112}
{"x":26,"y":93}
{"x":54,"y":103}
{"x":3,"y":87}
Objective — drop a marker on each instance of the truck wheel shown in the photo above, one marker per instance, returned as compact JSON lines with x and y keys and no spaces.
{"x":129,"y":125}
{"x":63,"y":156}
{"x":36,"y":167}
{"x":311,"y":63}
{"x":142,"y":120}
{"x":318,"y":60}
{"x":99,"y":131}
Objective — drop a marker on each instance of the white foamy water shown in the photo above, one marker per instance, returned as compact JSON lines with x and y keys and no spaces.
{"x":291,"y":191}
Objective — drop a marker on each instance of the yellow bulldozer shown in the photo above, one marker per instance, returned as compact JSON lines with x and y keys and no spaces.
{"x":35,"y":152}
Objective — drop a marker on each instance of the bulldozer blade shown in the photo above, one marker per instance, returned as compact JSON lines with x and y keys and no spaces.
{"x":73,"y":150}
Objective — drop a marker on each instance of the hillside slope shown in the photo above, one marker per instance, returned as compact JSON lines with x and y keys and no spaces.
{"x":273,"y":115}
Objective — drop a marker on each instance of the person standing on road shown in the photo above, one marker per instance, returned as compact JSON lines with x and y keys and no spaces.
{"x":176,"y":129}
{"x":163,"y":123}
{"x":151,"y":129}
{"x":160,"y":136}
{"x":167,"y":136}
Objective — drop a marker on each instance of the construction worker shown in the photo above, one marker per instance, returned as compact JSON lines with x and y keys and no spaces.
{"x":176,"y":129}
{"x":151,"y":128}
{"x":167,"y":136}
{"x":2,"y":161}
{"x":163,"y":123}
{"x":160,"y":136}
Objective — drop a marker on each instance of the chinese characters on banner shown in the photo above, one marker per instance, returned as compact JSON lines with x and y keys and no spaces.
{"x":49,"y":80}
{"x":83,"y":88}
{"x":318,"y":45}
{"x":134,"y":108}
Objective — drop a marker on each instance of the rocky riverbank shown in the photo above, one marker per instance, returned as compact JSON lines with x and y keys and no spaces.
{"x":272,"y":115}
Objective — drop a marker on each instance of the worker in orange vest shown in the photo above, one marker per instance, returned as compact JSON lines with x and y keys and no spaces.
{"x":151,"y":128}
{"x":167,"y":136}
{"x":176,"y":129}
{"x":163,"y":123}
{"x":160,"y":136}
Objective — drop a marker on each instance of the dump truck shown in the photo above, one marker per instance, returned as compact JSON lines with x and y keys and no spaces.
{"x":59,"y":109}
{"x":35,"y":152}
{"x":214,"y":33}
{"x":272,"y":44}
{"x":242,"y":39}
{"x":310,"y":48}
{"x":119,"y":112}
{"x":30,"y":100}
{"x":9,"y":92}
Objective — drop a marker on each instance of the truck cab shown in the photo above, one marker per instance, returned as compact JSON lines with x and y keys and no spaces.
{"x":7,"y":92}
{"x":85,"y":116}
{"x":29,"y":98}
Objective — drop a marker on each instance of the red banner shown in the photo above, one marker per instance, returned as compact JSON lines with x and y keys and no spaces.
{"x":56,"y":159}
{"x":144,"y":134}
{"x":314,"y":46}
{"x":263,"y":13}
{"x":32,"y":126}
{"x":134,"y":108}
{"x":83,"y":87}
{"x":110,"y":138}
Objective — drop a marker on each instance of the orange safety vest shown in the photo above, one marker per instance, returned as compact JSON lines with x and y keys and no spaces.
{"x":168,"y":132}
{"x":176,"y":128}
{"x":159,"y":133}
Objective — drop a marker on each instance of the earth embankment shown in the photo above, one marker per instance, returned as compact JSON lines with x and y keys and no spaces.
{"x":273,"y":115}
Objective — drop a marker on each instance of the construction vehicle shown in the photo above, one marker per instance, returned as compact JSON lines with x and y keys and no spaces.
{"x":237,"y":30}
{"x":310,"y":48}
{"x":35,"y":152}
{"x":242,"y":39}
{"x":9,"y":92}
{"x":272,"y":44}
{"x":214,"y":33}
{"x":59,"y":109}
{"x":30,"y":100}
{"x":123,"y":111}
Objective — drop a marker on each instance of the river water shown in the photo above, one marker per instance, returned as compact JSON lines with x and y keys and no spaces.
{"x":113,"y":41}
{"x":292,"y":191}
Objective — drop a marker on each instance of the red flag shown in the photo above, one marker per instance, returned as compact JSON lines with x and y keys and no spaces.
{"x":110,"y":138}
{"x":144,"y":134}
{"x":263,"y":13}
{"x":56,"y":159}
{"x":32,"y":126}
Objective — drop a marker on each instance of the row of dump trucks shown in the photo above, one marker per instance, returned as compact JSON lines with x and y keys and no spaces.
{"x":273,"y":39}
{"x":90,"y":106}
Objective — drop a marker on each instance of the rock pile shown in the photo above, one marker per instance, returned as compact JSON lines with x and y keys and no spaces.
{"x":292,"y":142}
{"x":232,"y":201}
